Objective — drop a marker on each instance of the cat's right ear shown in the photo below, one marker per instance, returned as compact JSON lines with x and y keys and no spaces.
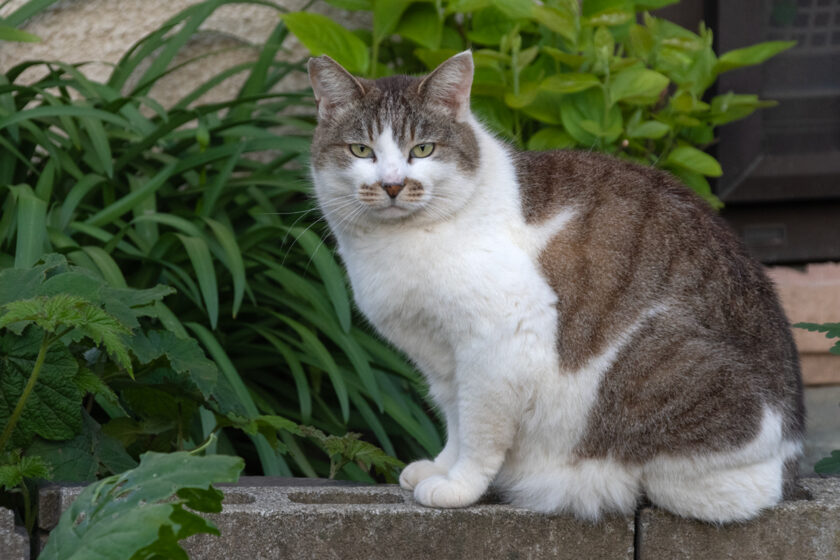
{"x":334,"y":87}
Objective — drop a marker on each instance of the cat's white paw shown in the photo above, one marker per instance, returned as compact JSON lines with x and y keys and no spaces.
{"x":416,"y":472}
{"x":444,"y":492}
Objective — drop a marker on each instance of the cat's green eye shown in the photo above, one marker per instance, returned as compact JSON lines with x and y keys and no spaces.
{"x":422,"y":150}
{"x":361,"y":151}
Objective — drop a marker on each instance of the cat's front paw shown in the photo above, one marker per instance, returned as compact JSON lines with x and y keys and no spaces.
{"x":444,"y":492}
{"x":418,"y":471}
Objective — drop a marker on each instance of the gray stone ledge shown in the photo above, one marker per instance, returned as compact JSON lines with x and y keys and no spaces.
{"x":795,"y":530}
{"x":14,"y":543}
{"x":266,"y":518}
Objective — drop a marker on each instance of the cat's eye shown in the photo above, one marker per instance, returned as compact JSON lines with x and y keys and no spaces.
{"x":361,"y":151}
{"x":422,"y":150}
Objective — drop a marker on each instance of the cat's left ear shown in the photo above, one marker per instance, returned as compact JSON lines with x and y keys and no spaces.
{"x":334,"y":87}
{"x":449,"y":85}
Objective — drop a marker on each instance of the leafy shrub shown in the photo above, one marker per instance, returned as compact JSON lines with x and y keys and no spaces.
{"x":562,"y":74}
{"x":210,"y":200}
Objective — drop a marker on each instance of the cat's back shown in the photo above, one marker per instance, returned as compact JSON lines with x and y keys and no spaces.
{"x":717,"y":347}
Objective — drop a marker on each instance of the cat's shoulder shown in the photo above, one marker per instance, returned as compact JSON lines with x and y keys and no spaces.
{"x":554,"y":178}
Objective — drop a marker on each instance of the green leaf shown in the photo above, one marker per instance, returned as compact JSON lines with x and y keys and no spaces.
{"x":569,"y":82}
{"x":831,"y":330}
{"x":62,"y":311}
{"x":749,"y":56}
{"x":421,"y":24}
{"x":53,"y":409}
{"x":637,"y":84}
{"x":828,"y":465}
{"x":648,"y":129}
{"x":9,"y":33}
{"x":515,"y":9}
{"x":184,"y":354}
{"x":386,"y":15}
{"x":558,"y":20}
{"x":80,"y":459}
{"x":122,"y":514}
{"x":587,"y":121}
{"x":31,"y":227}
{"x":353,"y":5}
{"x":321,"y":35}
{"x":692,"y":159}
{"x":14,"y":469}
{"x":202,"y":263}
{"x":527,"y":94}
{"x":550,"y":138}
{"x":489,"y":26}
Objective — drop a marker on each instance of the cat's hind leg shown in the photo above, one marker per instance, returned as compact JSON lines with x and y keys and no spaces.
{"x":728,"y":486}
{"x":721,"y":496}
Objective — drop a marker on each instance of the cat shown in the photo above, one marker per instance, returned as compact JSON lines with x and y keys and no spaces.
{"x":591,"y":331}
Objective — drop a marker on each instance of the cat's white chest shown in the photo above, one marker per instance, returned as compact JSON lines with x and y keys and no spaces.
{"x":432,"y":289}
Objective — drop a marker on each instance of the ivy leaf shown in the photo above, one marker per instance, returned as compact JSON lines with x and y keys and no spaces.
{"x":124,"y":514}
{"x":53,"y":410}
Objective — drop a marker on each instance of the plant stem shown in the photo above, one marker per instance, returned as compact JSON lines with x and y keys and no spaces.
{"x":33,"y":377}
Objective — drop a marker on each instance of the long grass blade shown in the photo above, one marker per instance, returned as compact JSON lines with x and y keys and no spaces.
{"x":31,"y":227}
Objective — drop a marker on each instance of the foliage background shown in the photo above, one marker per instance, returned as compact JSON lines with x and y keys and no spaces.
{"x":212,"y":200}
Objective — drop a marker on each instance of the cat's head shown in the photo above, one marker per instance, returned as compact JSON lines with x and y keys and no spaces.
{"x":394,"y":149}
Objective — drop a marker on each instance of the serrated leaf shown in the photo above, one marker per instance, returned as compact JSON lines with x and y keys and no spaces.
{"x":123,"y":514}
{"x":53,"y":409}
{"x":185,"y":357}
{"x":61,"y":311}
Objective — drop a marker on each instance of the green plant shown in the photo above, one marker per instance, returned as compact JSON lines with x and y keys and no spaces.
{"x":562,"y":73}
{"x":213,"y":201}
{"x":830,"y":464}
{"x":142,"y":513}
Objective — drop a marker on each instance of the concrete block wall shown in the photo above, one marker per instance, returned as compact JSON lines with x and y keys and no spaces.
{"x":14,"y":542}
{"x":268,"y":519}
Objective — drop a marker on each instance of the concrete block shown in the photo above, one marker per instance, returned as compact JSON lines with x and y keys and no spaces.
{"x":331,"y":522}
{"x":801,"y":530}
{"x":14,"y":542}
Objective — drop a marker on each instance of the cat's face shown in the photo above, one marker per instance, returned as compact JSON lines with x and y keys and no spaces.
{"x":397,"y":148}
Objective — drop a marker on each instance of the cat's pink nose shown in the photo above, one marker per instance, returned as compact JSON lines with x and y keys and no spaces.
{"x":393,"y":189}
